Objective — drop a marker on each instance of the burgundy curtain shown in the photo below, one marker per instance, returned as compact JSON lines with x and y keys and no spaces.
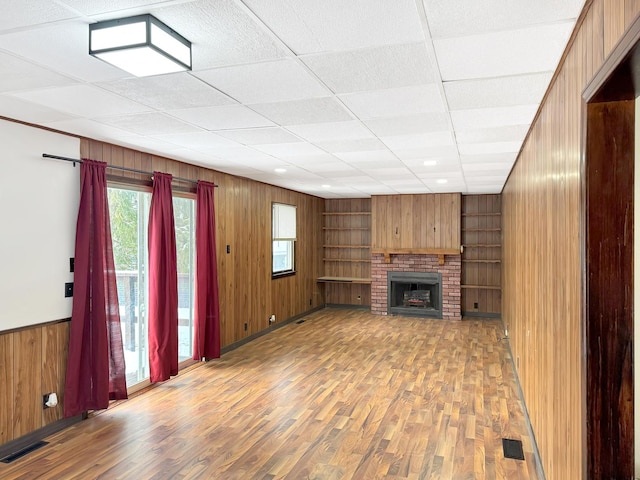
{"x":206,"y":342}
{"x":163,"y":282}
{"x":95,"y":363}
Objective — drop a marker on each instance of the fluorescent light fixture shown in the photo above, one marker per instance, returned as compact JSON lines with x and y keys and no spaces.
{"x":141,"y":45}
{"x":326,"y":186}
{"x":280,"y":170}
{"x":441,"y":180}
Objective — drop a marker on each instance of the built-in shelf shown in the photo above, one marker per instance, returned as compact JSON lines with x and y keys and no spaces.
{"x":352,"y":260}
{"x":482,"y":287}
{"x":344,"y":280}
{"x":464,"y":260}
{"x":346,"y":213}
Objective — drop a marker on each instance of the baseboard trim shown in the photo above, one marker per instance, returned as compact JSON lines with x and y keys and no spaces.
{"x":348,"y":306}
{"x":536,"y":452}
{"x":14,"y":446}
{"x":481,"y":314}
{"x":275,"y":326}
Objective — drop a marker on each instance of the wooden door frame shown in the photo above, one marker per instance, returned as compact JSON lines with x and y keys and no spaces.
{"x":608,"y":131}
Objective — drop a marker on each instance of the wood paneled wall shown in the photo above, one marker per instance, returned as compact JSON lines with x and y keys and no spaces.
{"x":416,"y":221}
{"x":542,"y":248}
{"x":247,"y":292}
{"x":342,"y":231}
{"x":33,"y":362}
{"x":482,"y":255}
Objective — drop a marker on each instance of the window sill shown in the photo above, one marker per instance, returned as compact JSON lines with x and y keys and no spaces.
{"x":288,"y":273}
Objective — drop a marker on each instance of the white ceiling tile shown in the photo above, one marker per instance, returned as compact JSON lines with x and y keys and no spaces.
{"x":17,"y":74}
{"x":82,"y":100}
{"x":423,"y":153}
{"x":367,"y":155}
{"x":63,"y":48}
{"x":497,"y":92}
{"x":338,"y":175}
{"x":33,"y":12}
{"x":312,"y":159}
{"x":13,"y":107}
{"x":308,"y":26}
{"x":351,"y":145}
{"x":95,"y":7}
{"x":91,"y":129}
{"x":336,"y":166}
{"x":266,"y":82}
{"x":154,"y":123}
{"x":410,"y":189}
{"x":419,"y":140}
{"x":285,"y":150}
{"x":174,"y":91}
{"x":509,"y":157}
{"x":298,"y":112}
{"x":223,"y":117}
{"x":486,"y":168}
{"x":263,"y":163}
{"x":510,"y":133}
{"x":234,"y":153}
{"x":258,"y":136}
{"x":196,"y":140}
{"x":222,"y":33}
{"x":395,"y":102}
{"x":391,"y":172}
{"x":449,"y":18}
{"x":513,"y":52}
{"x":327,"y":132}
{"x":493,"y":117}
{"x":365,"y":165}
{"x":423,"y":123}
{"x":378,"y":68}
{"x":489,"y":147}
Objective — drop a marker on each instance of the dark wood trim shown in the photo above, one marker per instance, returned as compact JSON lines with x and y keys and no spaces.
{"x":614,"y":80}
{"x":609,"y":289}
{"x":35,"y":325}
{"x":481,"y":314}
{"x":23,"y":442}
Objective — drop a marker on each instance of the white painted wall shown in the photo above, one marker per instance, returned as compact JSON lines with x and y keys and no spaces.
{"x":38,"y":210}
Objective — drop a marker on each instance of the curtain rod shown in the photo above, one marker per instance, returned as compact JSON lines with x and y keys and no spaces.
{"x":114,"y":167}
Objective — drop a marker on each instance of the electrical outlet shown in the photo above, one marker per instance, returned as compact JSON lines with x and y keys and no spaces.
{"x":68,"y":289}
{"x":246,"y":326}
{"x":272,"y":318}
{"x":506,"y":332}
{"x":475,"y":305}
{"x":72,"y":264}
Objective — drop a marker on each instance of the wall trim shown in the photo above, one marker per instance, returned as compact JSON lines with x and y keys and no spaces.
{"x":35,"y":325}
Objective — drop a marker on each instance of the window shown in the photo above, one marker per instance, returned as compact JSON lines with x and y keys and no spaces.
{"x":284,"y":238}
{"x":129,"y":213}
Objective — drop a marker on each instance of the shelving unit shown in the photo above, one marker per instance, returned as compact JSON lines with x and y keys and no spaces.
{"x":347,"y":252}
{"x":482,"y":255}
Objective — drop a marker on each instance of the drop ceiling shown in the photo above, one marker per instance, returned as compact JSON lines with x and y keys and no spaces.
{"x":350,"y":98}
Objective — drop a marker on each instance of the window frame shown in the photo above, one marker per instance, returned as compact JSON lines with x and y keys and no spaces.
{"x":274,"y":239}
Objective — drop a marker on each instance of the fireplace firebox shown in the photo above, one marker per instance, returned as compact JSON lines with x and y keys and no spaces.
{"x":415,"y":294}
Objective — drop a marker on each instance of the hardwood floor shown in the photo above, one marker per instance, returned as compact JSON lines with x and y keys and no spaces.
{"x":344,"y":395}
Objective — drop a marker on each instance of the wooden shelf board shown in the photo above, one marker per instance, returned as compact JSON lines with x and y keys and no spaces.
{"x":482,"y":287}
{"x":480,"y":261}
{"x":346,"y":213}
{"x":441,"y":252}
{"x":347,"y":246}
{"x":344,"y":280}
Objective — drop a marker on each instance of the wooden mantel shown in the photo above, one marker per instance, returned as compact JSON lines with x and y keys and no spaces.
{"x":441,"y":252}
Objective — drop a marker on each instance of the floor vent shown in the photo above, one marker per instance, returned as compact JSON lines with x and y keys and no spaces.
{"x":15,"y":456}
{"x":512,"y":449}
{"x":300,"y":321}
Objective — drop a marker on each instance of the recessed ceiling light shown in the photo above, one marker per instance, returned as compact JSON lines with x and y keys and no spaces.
{"x":326,"y":186}
{"x":441,"y":180}
{"x":430,"y":163}
{"x":280,"y":170}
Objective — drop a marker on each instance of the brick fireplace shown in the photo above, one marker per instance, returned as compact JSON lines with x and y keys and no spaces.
{"x":450,"y":271}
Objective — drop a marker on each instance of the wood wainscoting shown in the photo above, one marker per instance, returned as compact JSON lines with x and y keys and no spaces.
{"x":33,"y":361}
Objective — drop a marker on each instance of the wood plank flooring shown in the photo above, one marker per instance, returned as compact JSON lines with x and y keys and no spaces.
{"x":344,"y":395}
